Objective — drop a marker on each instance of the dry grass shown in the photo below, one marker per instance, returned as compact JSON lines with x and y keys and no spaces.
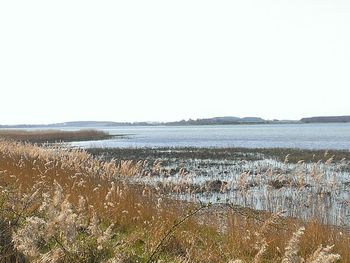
{"x":50,"y":136}
{"x":66,"y":206}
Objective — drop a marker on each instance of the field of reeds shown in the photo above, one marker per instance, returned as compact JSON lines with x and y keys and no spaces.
{"x":61,"y":205}
{"x":249,"y":154}
{"x":53,"y":136}
{"x":314,"y":187}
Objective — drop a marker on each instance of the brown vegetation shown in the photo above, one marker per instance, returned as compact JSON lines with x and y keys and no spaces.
{"x":66,"y":206}
{"x":50,"y":136}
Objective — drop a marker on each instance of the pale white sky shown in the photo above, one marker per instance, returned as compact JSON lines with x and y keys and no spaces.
{"x":168,"y":60}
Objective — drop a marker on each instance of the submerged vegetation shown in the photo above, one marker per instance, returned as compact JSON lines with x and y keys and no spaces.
{"x":52,"y":136}
{"x":60,"y":205}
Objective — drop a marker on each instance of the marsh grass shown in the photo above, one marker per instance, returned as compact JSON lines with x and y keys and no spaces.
{"x":52,"y":136}
{"x":178,"y":153}
{"x":60,"y":205}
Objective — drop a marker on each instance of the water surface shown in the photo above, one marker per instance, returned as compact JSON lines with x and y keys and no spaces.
{"x":304,"y":136}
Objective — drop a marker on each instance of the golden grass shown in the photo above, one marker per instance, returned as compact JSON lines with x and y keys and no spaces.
{"x":44,"y":136}
{"x":66,"y":206}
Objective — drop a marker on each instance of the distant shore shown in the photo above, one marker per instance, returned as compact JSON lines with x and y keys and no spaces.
{"x":226,"y":120}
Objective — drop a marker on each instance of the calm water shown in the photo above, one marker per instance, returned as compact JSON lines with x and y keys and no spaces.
{"x":306,"y":136}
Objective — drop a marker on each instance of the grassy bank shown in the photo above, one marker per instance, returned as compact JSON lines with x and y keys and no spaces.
{"x":53,"y":136}
{"x":294,"y":155}
{"x":67,"y":206}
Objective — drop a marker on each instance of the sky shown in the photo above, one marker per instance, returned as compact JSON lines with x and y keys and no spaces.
{"x":72,"y":60}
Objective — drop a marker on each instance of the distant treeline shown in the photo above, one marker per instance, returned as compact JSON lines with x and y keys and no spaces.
{"x":94,"y":124}
{"x":205,"y":121}
{"x":326,"y":119}
{"x":218,"y":121}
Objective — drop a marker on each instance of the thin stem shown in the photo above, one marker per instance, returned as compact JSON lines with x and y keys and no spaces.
{"x":172,"y":229}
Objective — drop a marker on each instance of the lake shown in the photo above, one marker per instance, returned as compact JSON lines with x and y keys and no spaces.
{"x":304,"y":136}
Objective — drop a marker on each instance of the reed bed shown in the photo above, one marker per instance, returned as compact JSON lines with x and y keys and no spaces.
{"x":305,"y":190}
{"x":200,"y":153}
{"x":52,"y":136}
{"x":60,"y":205}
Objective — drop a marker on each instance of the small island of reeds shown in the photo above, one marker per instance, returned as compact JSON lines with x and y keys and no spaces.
{"x":53,"y":135}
